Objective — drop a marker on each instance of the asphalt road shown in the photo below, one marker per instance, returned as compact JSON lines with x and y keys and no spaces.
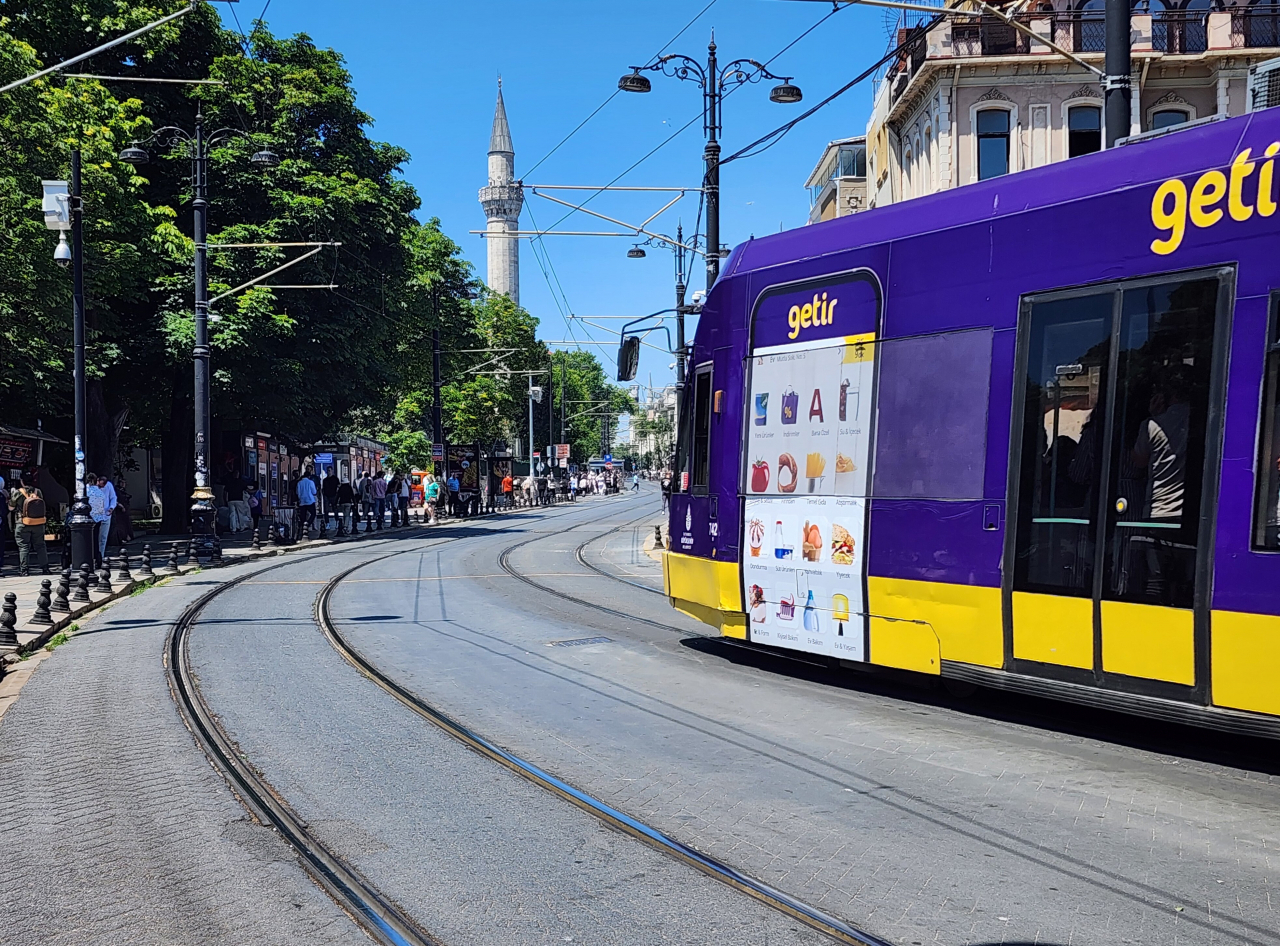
{"x":913,"y":815}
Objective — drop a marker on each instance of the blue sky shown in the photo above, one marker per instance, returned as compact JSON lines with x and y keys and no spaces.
{"x":427,"y":72}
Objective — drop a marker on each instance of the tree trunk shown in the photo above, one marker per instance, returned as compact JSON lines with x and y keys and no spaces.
{"x":177,"y":444}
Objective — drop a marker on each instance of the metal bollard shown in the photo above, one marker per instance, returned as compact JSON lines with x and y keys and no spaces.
{"x":123,"y":575}
{"x":171,"y":566}
{"x":82,"y":584}
{"x":60,"y":602}
{"x":104,"y":581}
{"x":42,"y":615}
{"x":8,"y":621}
{"x":146,"y":571}
{"x":215,"y":558}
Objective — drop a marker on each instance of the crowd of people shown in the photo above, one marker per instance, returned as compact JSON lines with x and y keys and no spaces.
{"x":24,"y":515}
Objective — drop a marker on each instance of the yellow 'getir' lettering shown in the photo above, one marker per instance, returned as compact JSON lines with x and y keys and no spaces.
{"x":1174,"y":219}
{"x":1207,"y":191}
{"x":1241,"y":168}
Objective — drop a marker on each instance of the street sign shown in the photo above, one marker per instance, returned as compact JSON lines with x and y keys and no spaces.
{"x":608,"y":458}
{"x":564,"y":463}
{"x":324,"y":458}
{"x":608,"y":464}
{"x":562,"y":451}
{"x":437,"y":451}
{"x":537,"y":454}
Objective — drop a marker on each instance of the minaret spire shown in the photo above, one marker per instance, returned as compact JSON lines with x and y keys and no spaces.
{"x":502,"y":200}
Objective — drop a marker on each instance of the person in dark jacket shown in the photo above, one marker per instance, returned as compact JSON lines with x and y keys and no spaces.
{"x":329,"y":490}
{"x":345,"y":497}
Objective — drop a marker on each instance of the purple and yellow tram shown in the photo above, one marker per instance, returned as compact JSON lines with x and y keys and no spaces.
{"x":1024,"y":434}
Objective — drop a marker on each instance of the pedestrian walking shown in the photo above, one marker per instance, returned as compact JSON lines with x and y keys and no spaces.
{"x":666,"y":492}
{"x":101,"y":517}
{"x":29,"y":511}
{"x":635,"y":482}
{"x":431,"y":497}
{"x":255,"y":505}
{"x":345,"y":497}
{"x":306,"y":489}
{"x":329,"y":490}
{"x":508,"y":485}
{"x":379,"y":490}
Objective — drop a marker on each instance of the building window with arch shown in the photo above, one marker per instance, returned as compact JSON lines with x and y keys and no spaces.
{"x":906,"y":174}
{"x":993,"y":143}
{"x":1168,"y":117}
{"x":1084,"y":130}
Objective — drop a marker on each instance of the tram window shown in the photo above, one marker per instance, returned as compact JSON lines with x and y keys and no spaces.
{"x":1158,"y":439}
{"x":1062,"y":444}
{"x":931,"y":416}
{"x":993,"y":143}
{"x":701,"y":430}
{"x":1084,"y":130}
{"x":1266,"y":516}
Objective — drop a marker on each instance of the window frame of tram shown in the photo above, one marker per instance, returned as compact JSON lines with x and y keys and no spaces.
{"x":1266,"y":501}
{"x":1150,"y":355}
{"x":700,"y":428}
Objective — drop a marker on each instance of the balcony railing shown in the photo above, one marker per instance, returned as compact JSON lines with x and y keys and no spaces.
{"x":1255,"y":26}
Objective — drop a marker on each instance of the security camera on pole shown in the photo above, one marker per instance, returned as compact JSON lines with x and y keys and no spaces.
{"x":63,"y":211}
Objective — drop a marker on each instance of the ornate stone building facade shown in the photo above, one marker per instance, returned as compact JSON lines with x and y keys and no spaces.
{"x":502,"y":199}
{"x":972,"y":98}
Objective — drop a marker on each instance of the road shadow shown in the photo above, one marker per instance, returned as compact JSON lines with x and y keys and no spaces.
{"x":1162,"y":737}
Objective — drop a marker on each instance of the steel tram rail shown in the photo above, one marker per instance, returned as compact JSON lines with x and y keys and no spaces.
{"x":770,"y":896}
{"x":381,"y":919}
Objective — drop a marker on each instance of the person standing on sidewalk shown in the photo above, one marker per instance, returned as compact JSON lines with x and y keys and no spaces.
{"x":329,"y":490}
{"x":345,"y":497}
{"x":101,"y":516}
{"x":306,"y":488}
{"x":393,"y":498}
{"x":431,"y":497}
{"x":29,"y":507}
{"x":404,"y":499}
{"x":378,"y":490}
{"x":366,"y":499}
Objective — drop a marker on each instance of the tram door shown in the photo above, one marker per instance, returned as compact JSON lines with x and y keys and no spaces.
{"x":1115,"y":473}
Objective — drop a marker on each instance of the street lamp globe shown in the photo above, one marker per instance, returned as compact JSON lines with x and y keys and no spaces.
{"x":265,"y":158}
{"x":786,"y":93}
{"x":62,"y":252}
{"x":636,"y":252}
{"x":634,"y":82}
{"x":134,"y":155}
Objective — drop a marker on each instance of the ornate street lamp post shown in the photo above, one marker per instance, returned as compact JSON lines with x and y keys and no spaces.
{"x":715,"y":84}
{"x":203,"y":513}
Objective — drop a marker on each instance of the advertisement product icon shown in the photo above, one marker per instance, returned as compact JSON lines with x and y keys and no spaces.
{"x":762,"y":409}
{"x":780,"y":549}
{"x":839,"y":612}
{"x":787,"y":608}
{"x":790,"y":406}
{"x":811,"y":615}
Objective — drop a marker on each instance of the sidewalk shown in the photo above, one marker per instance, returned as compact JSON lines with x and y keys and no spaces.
{"x":236,"y":548}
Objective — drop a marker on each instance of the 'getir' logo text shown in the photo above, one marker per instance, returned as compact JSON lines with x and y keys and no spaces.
{"x":817,"y":312}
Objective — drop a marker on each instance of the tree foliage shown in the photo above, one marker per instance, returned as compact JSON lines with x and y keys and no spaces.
{"x":305,"y":365}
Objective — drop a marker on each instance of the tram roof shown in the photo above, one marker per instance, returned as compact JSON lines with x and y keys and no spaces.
{"x":1139,"y":163}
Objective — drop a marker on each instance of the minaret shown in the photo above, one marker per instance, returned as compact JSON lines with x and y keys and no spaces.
{"x":502,"y":200}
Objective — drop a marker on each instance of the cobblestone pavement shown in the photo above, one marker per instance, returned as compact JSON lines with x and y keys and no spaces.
{"x":115,"y":828}
{"x":917,"y":819}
